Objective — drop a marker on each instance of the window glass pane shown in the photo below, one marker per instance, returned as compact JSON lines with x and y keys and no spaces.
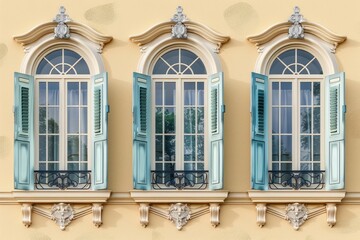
{"x":305,"y":93}
{"x":187,"y":57}
{"x":169,"y":148}
{"x":288,"y":57}
{"x":303,"y":57}
{"x":316,"y":127}
{"x":169,"y":116}
{"x":73,"y":93}
{"x":84,"y":120}
{"x":286,"y":93}
{"x":73,"y":148}
{"x":316,"y":147}
{"x":171,"y":57}
{"x":53,"y":93}
{"x":160,"y":67}
{"x":189,"y":120}
{"x":73,"y":167}
{"x":200,"y":120}
{"x":286,"y":120}
{"x":189,"y":167}
{"x":316,"y":92}
{"x":73,"y":120}
{"x":42,"y":93}
{"x":286,"y":148}
{"x":42,"y":119}
{"x":275,"y":93}
{"x":81,"y":67}
{"x":189,"y":93}
{"x":53,"y":166}
{"x":55,"y":57}
{"x":275,"y":120}
{"x":53,"y":120}
{"x":158,"y":93}
{"x":305,"y":166}
{"x":84,"y":148}
{"x":315,"y":67}
{"x":159,"y":167}
{"x":83,"y":97}
{"x":305,"y":119}
{"x":316,"y":166}
{"x":277,"y":67}
{"x":159,"y":148}
{"x":71,"y":57}
{"x":53,"y":145}
{"x":200,"y":167}
{"x":169,"y":88}
{"x":200,"y":93}
{"x":275,"y":167}
{"x":42,"y":148}
{"x":159,"y":120}
{"x":189,"y":148}
{"x":286,"y":166}
{"x":305,"y":148}
{"x":44,"y":67}
{"x":275,"y":148}
{"x":200,"y":148}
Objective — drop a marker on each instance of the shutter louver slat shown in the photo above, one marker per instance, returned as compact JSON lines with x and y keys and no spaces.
{"x":143,"y":113}
{"x":334,"y":106}
{"x":97,"y":111}
{"x":214,"y":110}
{"x":260,"y":115}
{"x":25,"y":110}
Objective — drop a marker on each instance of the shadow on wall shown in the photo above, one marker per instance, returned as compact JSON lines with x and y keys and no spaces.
{"x":241,"y":17}
{"x":103,"y":14}
{"x":3,"y":50}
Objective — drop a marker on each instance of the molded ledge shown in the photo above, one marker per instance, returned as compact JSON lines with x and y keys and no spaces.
{"x":296,"y":196}
{"x":179,"y":196}
{"x":61,"y":196}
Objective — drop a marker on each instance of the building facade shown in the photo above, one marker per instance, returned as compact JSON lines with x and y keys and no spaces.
{"x":157,"y":120}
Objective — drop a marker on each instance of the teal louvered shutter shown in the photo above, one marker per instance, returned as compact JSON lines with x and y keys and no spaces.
{"x":141,"y":131}
{"x":259,"y":131}
{"x":100,"y":131}
{"x":216,"y":130}
{"x":335,"y":131}
{"x":24,"y":132}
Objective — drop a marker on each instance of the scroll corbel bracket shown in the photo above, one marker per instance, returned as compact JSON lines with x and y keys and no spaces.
{"x":261,"y":214}
{"x":214,"y":214}
{"x":331,"y":214}
{"x":26,"y":210}
{"x":97,"y":214}
{"x":144,"y":214}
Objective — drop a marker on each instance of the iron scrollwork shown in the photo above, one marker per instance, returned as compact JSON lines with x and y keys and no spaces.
{"x":285,"y":180}
{"x":179,"y":179}
{"x":62,"y":180}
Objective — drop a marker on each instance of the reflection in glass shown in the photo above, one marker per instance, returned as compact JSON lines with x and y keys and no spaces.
{"x":316,"y":147}
{"x":158,"y":148}
{"x":305,"y":93}
{"x":53,"y":93}
{"x":169,"y":148}
{"x":286,"y":93}
{"x":189,"y":148}
{"x":275,"y":93}
{"x":316,"y":92}
{"x":158,"y":120}
{"x":286,"y":120}
{"x":275,"y":148}
{"x":73,"y":120}
{"x":275,"y":120}
{"x":305,"y":119}
{"x":158,"y":93}
{"x":53,"y":148}
{"x":189,"y":120}
{"x":169,"y":88}
{"x":42,"y":148}
{"x":305,"y":148}
{"x":200,"y":148}
{"x":73,"y":148}
{"x":200,"y":119}
{"x":189,"y":93}
{"x":169,"y":117}
{"x":73,"y":93}
{"x":286,"y":148}
{"x":200,"y":93}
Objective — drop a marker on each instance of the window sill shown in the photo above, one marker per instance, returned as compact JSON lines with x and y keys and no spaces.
{"x":69,"y":196}
{"x":175,"y":196}
{"x":284,"y":196}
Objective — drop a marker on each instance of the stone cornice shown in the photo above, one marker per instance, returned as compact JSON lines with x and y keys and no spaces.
{"x":192,"y":27}
{"x":309,"y":28}
{"x":48,"y":28}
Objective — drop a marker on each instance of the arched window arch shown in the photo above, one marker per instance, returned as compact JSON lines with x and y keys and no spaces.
{"x":297,"y":110}
{"x":60,"y":109}
{"x":178,"y":109}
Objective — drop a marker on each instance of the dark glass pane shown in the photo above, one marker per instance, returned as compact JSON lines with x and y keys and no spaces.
{"x":316,"y":147}
{"x":200,"y":148}
{"x":53,"y":93}
{"x":73,"y":93}
{"x":275,"y":120}
{"x":159,"y":120}
{"x":277,"y":67}
{"x":305,"y":93}
{"x":198,"y":67}
{"x":44,"y":67}
{"x":169,"y":116}
{"x":187,"y":57}
{"x":73,"y":148}
{"x":316,"y":92}
{"x":189,"y":148}
{"x":42,"y":148}
{"x":189,"y":93}
{"x":53,"y":120}
{"x":305,"y":148}
{"x":200,"y":93}
{"x":171,"y":57}
{"x":170,"y":93}
{"x":288,"y":57}
{"x":83,"y":120}
{"x":275,"y":148}
{"x":303,"y":58}
{"x":189,"y":167}
{"x":81,"y":67}
{"x":159,"y":148}
{"x":316,"y":127}
{"x":315,"y":67}
{"x":286,"y":148}
{"x":200,"y":120}
{"x":286,"y":166}
{"x":275,"y":93}
{"x":73,"y":120}
{"x":83,"y":94}
{"x":42,"y":93}
{"x":70,"y":57}
{"x":286,"y":93}
{"x":305,"y":166}
{"x":158,"y":93}
{"x":286,"y":120}
{"x":84,"y":148}
{"x":169,"y":148}
{"x":160,"y":67}
{"x":42,"y":119}
{"x":53,"y":151}
{"x":189,"y":120}
{"x":73,"y":167}
{"x":305,"y":119}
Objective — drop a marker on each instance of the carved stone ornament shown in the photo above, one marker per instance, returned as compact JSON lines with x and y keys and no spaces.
{"x":214,"y":214}
{"x":261,"y":214}
{"x":296,"y":214}
{"x":97,"y":214}
{"x":296,"y":30}
{"x":179,"y":30}
{"x":179,"y":214}
{"x":62,"y":30}
{"x":62,"y":214}
{"x":26,"y":209}
{"x":144,"y":214}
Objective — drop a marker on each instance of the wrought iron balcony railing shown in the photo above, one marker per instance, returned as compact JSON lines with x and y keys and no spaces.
{"x":179,"y":179}
{"x":286,"y":180}
{"x":46,"y":180}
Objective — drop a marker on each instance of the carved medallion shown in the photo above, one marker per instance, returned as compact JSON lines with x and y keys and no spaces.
{"x":179,"y":30}
{"x":62,"y":30}
{"x":179,"y":214}
{"x":62,"y":214}
{"x":296,"y":30}
{"x":296,"y":214}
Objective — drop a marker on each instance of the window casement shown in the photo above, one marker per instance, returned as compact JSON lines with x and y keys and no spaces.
{"x":61,"y":110}
{"x":298,"y":110}
{"x":177,"y":111}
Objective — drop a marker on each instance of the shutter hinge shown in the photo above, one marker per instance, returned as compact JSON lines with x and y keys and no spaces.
{"x":108,"y":108}
{"x":223,"y":109}
{"x":344,"y":108}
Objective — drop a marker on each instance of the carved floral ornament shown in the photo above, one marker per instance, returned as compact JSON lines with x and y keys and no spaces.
{"x":296,"y":214}
{"x":296,"y":30}
{"x":179,"y":30}
{"x":62,"y":30}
